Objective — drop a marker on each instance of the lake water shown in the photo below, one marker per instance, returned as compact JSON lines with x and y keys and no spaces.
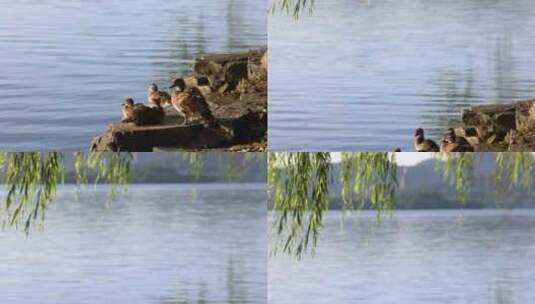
{"x":415,"y":257}
{"x":156,"y":244}
{"x":363,"y":74}
{"x":65,"y":66}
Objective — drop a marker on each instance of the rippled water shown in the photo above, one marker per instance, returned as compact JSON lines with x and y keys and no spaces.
{"x":415,"y":257}
{"x":363,"y":74}
{"x":158,"y":244}
{"x":65,"y":66}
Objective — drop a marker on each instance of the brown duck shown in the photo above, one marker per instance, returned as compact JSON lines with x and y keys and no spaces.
{"x":461,"y":140}
{"x":153,"y":94}
{"x":142,"y":115}
{"x":424,"y":145}
{"x":190,"y":102}
{"x":127,"y":108}
{"x":452,"y":143}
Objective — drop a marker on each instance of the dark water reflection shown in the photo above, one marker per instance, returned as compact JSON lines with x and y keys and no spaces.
{"x":66,"y":65}
{"x":414,"y":257}
{"x":158,"y":244}
{"x":362,"y":75}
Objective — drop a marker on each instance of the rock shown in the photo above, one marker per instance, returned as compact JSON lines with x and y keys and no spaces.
{"x":525,"y":115}
{"x":245,"y":119}
{"x":242,"y":115}
{"x":190,"y":81}
{"x":257,"y":66}
{"x":492,"y":109}
{"x":467,"y":131}
{"x":264,"y":60}
{"x":207,"y":67}
{"x":234,"y":73}
{"x":470,"y":117}
{"x":531,"y":109}
{"x":505,"y":121}
{"x":225,"y":71}
{"x":500,"y":127}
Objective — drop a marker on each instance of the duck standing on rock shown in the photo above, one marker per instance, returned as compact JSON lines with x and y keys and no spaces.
{"x":453,"y":143}
{"x":424,"y":145}
{"x":153,"y":94}
{"x":190,"y":102}
{"x":142,"y":115}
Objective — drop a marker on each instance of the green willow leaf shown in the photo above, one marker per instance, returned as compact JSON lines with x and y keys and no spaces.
{"x":292,"y":7}
{"x":299,"y":187}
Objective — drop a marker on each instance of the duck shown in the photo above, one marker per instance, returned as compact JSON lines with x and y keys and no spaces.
{"x":127,"y":108}
{"x":461,"y":140}
{"x":190,"y":102}
{"x":424,"y":145}
{"x":452,"y":143}
{"x":140,"y":114}
{"x":153,"y":94}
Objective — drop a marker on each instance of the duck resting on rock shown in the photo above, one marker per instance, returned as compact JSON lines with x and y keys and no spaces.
{"x":142,"y":115}
{"x":453,"y":143}
{"x":424,"y":145}
{"x":127,"y":109}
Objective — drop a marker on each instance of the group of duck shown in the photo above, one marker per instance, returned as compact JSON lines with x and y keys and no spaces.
{"x":450,"y":142}
{"x":189,"y":101}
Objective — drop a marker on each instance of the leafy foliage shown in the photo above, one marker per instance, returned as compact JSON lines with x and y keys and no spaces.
{"x":298,"y":187}
{"x":300,"y":196}
{"x":292,"y":7}
{"x":513,"y":170}
{"x":458,"y":171}
{"x":32,"y":178}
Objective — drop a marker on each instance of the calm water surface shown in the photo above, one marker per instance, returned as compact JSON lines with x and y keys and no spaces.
{"x":363,"y":74}
{"x":157,"y":244}
{"x":416,"y":257}
{"x":67,"y":65}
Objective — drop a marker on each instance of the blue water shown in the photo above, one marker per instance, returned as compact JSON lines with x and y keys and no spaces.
{"x":363,"y":74}
{"x":67,"y":65}
{"x":155,"y":244}
{"x":416,"y":257}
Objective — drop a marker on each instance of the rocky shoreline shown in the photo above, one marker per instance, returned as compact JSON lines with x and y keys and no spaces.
{"x":499,"y":127}
{"x":238,"y":101}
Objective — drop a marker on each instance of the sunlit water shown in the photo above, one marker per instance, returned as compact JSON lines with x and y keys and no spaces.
{"x":363,"y":74}
{"x":157,"y":244}
{"x":65,"y":66}
{"x":416,"y":257}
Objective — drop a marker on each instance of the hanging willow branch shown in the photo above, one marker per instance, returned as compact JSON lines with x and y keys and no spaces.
{"x":372,"y":177}
{"x":298,"y":187}
{"x":32,"y":179}
{"x":299,"y":190}
{"x":302,"y":199}
{"x":458,"y":171}
{"x":292,"y":7}
{"x":512,"y":170}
